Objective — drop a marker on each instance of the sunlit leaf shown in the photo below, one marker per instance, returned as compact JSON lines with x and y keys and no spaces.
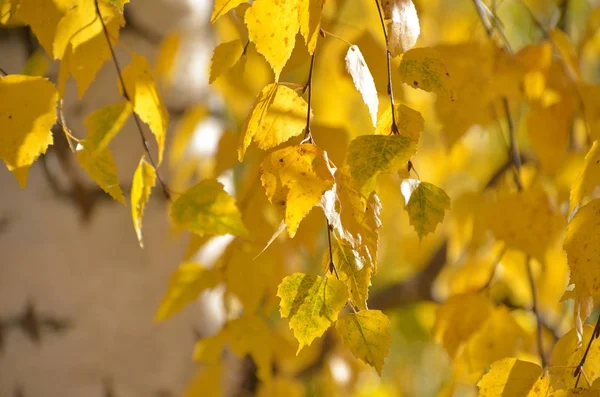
{"x":424,"y":68}
{"x":224,"y":57}
{"x":222,"y":7}
{"x":425,"y":204}
{"x":588,"y":178}
{"x":363,"y":80}
{"x":512,"y":377}
{"x":104,"y":124}
{"x":410,"y":123}
{"x":144,"y":180}
{"x":101,"y":167}
{"x":309,"y":13}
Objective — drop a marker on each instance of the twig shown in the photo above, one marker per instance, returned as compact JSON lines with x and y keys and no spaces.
{"x":128,"y":98}
{"x":579,"y":368}
{"x":332,"y":268}
{"x":390,"y":89}
{"x":325,"y":33}
{"x":307,"y":133}
{"x":535,"y":309}
{"x":3,"y":72}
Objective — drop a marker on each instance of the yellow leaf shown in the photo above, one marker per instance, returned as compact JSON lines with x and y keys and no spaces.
{"x":185,"y":285}
{"x":581,"y":244}
{"x":8,"y":9}
{"x":281,"y":387}
{"x":424,"y":68}
{"x":222,"y":7}
{"x":43,"y":17}
{"x":295,"y":179}
{"x":184,"y":133}
{"x":512,"y":377}
{"x":272,"y":27}
{"x":104,"y":124}
{"x":309,"y":14}
{"x":363,"y":80}
{"x":311,"y":303}
{"x":409,"y":122}
{"x":81,"y":24}
{"x":567,"y":354}
{"x":27,"y":112}
{"x":144,"y":180}
{"x":247,"y":278}
{"x":37,"y":64}
{"x":588,"y":178}
{"x":251,"y":335}
{"x":566,"y":50}
{"x":425,"y":204}
{"x":167,"y":56}
{"x":590,"y":96}
{"x":353,"y":272}
{"x":367,"y":334}
{"x":371,"y":155}
{"x":147,"y":103}
{"x":101,"y":167}
{"x":548,"y":129}
{"x":209,"y":349}
{"x":207,"y":209}
{"x":458,"y":319}
{"x":224,"y":57}
{"x":525,"y":221}
{"x":278,"y":114}
{"x":208,"y":381}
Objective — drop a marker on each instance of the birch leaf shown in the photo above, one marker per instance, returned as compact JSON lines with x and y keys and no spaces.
{"x":104,"y":124}
{"x":207,"y":209}
{"x":403,"y":28}
{"x":425,"y":204}
{"x":410,"y":122}
{"x":309,"y":13}
{"x":363,"y":80}
{"x":311,"y":303}
{"x":588,"y":178}
{"x":295,"y":178}
{"x":278,"y":114}
{"x":101,"y":167}
{"x":224,"y":57}
{"x":222,"y":7}
{"x":423,"y":68}
{"x":512,"y":377}
{"x":144,"y":180}
{"x":367,"y":334}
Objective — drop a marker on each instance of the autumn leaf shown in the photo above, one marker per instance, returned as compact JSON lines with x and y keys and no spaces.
{"x":588,"y":178}
{"x":144,"y":180}
{"x":27,"y":112}
{"x":353,"y":272}
{"x":278,"y":114}
{"x":104,"y":124}
{"x":222,"y":7}
{"x":185,"y":285}
{"x":309,"y":14}
{"x":525,"y":220}
{"x":167,"y":57}
{"x":295,"y":179}
{"x":224,"y":57}
{"x":424,"y":68}
{"x":512,"y":377}
{"x":409,"y":122}
{"x":403,"y":28}
{"x":581,"y":242}
{"x":272,"y":27}
{"x":208,"y":381}
{"x":43,"y":17}
{"x":363,"y":80}
{"x":425,"y":204}
{"x":101,"y":167}
{"x":250,"y":335}
{"x":146,"y":101}
{"x":206,"y":208}
{"x":371,"y":155}
{"x":367,"y":334}
{"x":311,"y":303}
{"x":567,"y":354}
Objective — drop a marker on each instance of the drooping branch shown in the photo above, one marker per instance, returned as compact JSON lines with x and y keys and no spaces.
{"x":390,"y":89}
{"x":138,"y":122}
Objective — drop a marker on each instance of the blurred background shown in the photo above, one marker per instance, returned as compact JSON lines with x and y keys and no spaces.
{"x":78,"y":296}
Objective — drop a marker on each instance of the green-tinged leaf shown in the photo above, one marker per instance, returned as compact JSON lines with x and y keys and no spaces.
{"x":371,"y":155}
{"x":425,"y":204}
{"x":515,"y":378}
{"x":104,"y":124}
{"x":353,"y":272}
{"x":295,"y":179}
{"x":311,"y":303}
{"x":101,"y":167}
{"x":186,"y":284}
{"x":278,"y":114}
{"x":207,"y":209}
{"x":424,"y":68}
{"x":144,"y":180}
{"x":367,"y":334}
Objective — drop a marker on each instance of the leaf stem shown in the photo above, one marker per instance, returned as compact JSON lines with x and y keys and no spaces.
{"x":138,"y":122}
{"x":3,"y":72}
{"x":390,"y":89}
{"x":535,"y":309}
{"x":325,"y":33}
{"x":332,"y":268}
{"x":579,"y":368}
{"x":309,"y":85}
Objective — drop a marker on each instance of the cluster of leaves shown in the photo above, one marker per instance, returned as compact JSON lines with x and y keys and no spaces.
{"x":332,"y":161}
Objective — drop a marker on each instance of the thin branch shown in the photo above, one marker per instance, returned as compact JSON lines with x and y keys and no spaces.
{"x":3,"y":72}
{"x":309,"y":85}
{"x":332,"y":268}
{"x":535,"y":309}
{"x":325,"y":33}
{"x":128,"y":98}
{"x":390,"y":89}
{"x":579,"y":368}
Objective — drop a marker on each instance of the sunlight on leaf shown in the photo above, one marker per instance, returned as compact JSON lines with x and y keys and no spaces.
{"x":144,"y":180}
